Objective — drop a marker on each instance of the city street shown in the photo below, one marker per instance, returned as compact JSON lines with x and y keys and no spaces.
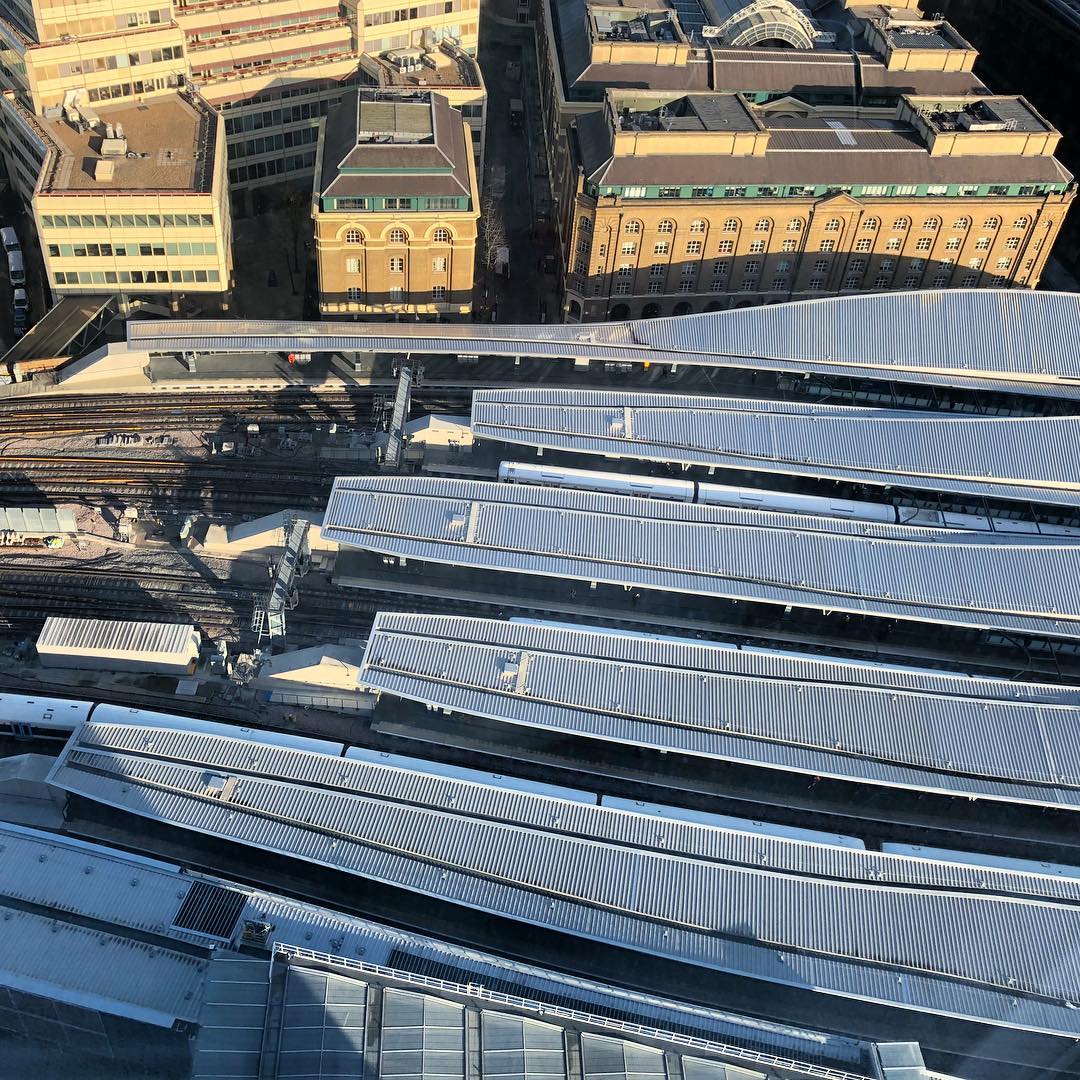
{"x":515,"y":178}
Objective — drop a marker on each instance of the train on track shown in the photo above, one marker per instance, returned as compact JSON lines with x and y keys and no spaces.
{"x":697,"y":491}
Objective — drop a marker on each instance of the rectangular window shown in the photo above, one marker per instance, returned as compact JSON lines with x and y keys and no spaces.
{"x":1003,"y":264}
{"x":625,"y":270}
{"x":827,"y":245}
{"x":703,"y":192}
{"x":748,"y":285}
{"x":821,"y":265}
{"x":685,"y":286}
{"x":657,"y":270}
{"x":633,"y":193}
{"x":661,"y":248}
{"x":887,"y":265}
{"x":788,"y":245}
{"x":670,"y":192}
{"x":629,"y":248}
{"x":397,"y":294}
{"x":654,"y":286}
{"x":397,"y":265}
{"x":757,"y":247}
{"x":351,"y":204}
{"x":693,"y":247}
{"x":719,"y":267}
{"x":952,"y":244}
{"x":924,"y":243}
{"x":881,"y":281}
{"x":438,"y":266}
{"x":438,"y":292}
{"x":622,"y":288}
{"x":727,"y":247}
{"x":352,"y":266}
{"x":398,"y":204}
{"x":779,"y":284}
{"x":752,"y":266}
{"x":1013,"y":243}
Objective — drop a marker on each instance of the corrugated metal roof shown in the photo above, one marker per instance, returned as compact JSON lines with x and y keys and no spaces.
{"x":902,"y":571}
{"x":1030,"y":458}
{"x":1013,"y":340}
{"x":42,"y":520}
{"x":116,"y":636}
{"x":803,"y":713}
{"x":94,"y":969}
{"x":666,"y":888}
{"x":130,"y":891}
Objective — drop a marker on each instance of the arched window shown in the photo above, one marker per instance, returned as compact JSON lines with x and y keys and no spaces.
{"x":870,"y":223}
{"x":762,"y":225}
{"x":697,"y":226}
{"x":666,"y":227}
{"x":398,"y":236}
{"x":901,"y":223}
{"x":442,"y":236}
{"x":962,"y":223}
{"x":832,"y":225}
{"x":633,"y":227}
{"x":932,"y":223}
{"x":354,"y":236}
{"x":992,"y":223}
{"x":794,"y":225}
{"x":731,"y":225}
{"x":1021,"y":223}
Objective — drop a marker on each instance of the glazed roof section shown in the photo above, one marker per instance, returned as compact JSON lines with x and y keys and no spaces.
{"x":1026,"y":458}
{"x":878,"y":725}
{"x":927,"y":575}
{"x":811,"y":916}
{"x":1020,"y":340}
{"x":394,"y":142}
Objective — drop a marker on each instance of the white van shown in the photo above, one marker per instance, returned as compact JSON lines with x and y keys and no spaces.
{"x":15,"y":268}
{"x":9,"y":239}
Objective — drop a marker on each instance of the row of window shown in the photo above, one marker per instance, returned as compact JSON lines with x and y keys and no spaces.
{"x":124,"y":60}
{"x":207,"y":39}
{"x":290,"y":114}
{"x":268,"y":144}
{"x":127,"y":221}
{"x":139,"y":86}
{"x":757,"y":247}
{"x":815,"y":284}
{"x":136,"y":277}
{"x":258,"y":170}
{"x":395,"y":202}
{"x":396,"y":266}
{"x":397,"y":294}
{"x":408,"y":14}
{"x":764,"y":225}
{"x":782,"y":266}
{"x":79,"y":251}
{"x":398,"y":236}
{"x":316,"y":52}
{"x":766,"y":191}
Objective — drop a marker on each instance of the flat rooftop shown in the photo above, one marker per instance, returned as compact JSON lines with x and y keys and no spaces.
{"x":616,"y":21}
{"x":983,"y":114}
{"x":694,"y":112}
{"x":169,"y":147}
{"x":440,"y":69}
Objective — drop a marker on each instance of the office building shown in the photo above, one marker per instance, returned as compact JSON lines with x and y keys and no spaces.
{"x":396,"y":206}
{"x":892,"y":85}
{"x":939,"y":193}
{"x":128,"y":198}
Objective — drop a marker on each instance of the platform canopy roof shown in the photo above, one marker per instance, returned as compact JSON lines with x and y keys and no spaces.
{"x":793,"y":712}
{"x":1014,"y":340}
{"x":831,"y":921}
{"x":1029,"y":458}
{"x":932,"y":575}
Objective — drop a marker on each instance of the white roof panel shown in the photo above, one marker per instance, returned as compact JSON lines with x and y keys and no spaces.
{"x":115,"y":637}
{"x":1013,"y":340}
{"x":1029,"y":458}
{"x":952,"y":734}
{"x":901,"y":571}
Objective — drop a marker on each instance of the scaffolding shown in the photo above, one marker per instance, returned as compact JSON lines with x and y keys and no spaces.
{"x":268,"y":618}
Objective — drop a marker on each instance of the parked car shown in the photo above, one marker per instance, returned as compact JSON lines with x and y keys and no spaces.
{"x":21,"y":322}
{"x":9,"y":238}
{"x":16,"y":268}
{"x":20,"y":300}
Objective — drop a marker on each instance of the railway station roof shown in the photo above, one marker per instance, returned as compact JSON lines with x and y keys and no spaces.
{"x":821,"y":716}
{"x":158,"y":945}
{"x":828,"y":920}
{"x":990,"y":581}
{"x":1028,"y":458}
{"x":1019,"y":340}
